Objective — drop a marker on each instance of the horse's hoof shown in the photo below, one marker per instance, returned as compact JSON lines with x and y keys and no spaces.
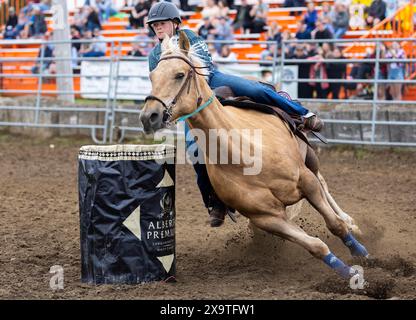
{"x":215,"y":222}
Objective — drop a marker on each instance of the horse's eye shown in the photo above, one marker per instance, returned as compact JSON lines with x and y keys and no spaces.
{"x":179,"y":75}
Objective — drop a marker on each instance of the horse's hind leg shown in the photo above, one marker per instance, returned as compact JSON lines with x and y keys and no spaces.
{"x":278,"y":224}
{"x":312,"y":163}
{"x":341,"y":213}
{"x":314,"y":192}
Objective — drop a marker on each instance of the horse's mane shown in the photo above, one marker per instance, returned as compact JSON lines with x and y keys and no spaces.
{"x":174,"y":49}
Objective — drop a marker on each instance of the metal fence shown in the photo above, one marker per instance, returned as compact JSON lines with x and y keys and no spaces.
{"x":112,"y":115}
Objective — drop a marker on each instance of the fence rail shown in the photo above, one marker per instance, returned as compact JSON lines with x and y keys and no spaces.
{"x":112,"y":115}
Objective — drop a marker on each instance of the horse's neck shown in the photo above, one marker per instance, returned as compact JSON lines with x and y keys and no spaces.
{"x":213,"y":116}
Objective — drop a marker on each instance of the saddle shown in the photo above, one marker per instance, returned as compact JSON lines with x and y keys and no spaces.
{"x":295,"y":122}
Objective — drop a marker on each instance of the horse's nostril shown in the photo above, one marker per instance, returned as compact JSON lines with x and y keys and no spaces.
{"x":154,"y":117}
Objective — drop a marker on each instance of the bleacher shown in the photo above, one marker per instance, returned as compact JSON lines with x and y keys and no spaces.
{"x":115,"y":29}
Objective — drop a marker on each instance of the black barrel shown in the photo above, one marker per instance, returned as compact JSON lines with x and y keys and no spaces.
{"x":127,"y":213}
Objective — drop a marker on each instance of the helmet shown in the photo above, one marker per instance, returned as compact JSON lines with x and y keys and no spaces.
{"x":162,"y":11}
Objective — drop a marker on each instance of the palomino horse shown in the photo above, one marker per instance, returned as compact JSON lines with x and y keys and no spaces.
{"x":179,"y":89}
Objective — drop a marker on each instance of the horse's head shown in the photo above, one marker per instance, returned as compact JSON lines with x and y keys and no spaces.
{"x":172,"y":80}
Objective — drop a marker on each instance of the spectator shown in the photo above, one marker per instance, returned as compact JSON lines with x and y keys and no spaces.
{"x":225,"y":55}
{"x":376,"y":12}
{"x":325,"y":11}
{"x":318,"y":71}
{"x":12,"y":20}
{"x":273,"y":34}
{"x":267,"y":76}
{"x":211,"y":10}
{"x":42,"y":66}
{"x":303,"y":32}
{"x":97,"y":48}
{"x":136,"y":50}
{"x":321,"y":32}
{"x":259,"y":14}
{"x":45,"y":5}
{"x":146,"y":43}
{"x":304,"y":89}
{"x":310,"y":17}
{"x":206,"y":29}
{"x":138,"y":13}
{"x":396,"y":70}
{"x":341,"y":20}
{"x":93,"y":20}
{"x":224,"y":9}
{"x":80,"y":17}
{"x":382,"y":74}
{"x":268,"y":54}
{"x":223,"y":30}
{"x":243,"y":20}
{"x":106,"y":9}
{"x":294,"y":4}
{"x":76,"y":36}
{"x":336,"y":71}
{"x":37,"y":23}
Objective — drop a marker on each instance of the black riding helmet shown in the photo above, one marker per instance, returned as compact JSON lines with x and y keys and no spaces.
{"x":163,"y":11}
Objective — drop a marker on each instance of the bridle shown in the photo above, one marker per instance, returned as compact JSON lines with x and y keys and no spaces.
{"x":187,"y":82}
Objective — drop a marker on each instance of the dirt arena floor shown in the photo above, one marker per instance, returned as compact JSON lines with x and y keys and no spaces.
{"x":39,"y":228}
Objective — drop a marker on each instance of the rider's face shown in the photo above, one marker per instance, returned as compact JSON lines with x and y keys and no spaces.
{"x":163,"y":27}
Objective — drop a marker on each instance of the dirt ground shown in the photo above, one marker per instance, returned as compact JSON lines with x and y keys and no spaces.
{"x":39,"y":228}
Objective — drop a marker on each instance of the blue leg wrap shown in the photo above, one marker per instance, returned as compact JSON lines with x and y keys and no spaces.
{"x":356,"y":248}
{"x":338,"y":265}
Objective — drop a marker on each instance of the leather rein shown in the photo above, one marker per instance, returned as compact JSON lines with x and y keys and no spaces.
{"x":187,"y":82}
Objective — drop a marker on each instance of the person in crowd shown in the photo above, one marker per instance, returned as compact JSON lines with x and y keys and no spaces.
{"x":223,"y":31}
{"x":302,"y":33}
{"x":273,"y":33}
{"x":310,"y":17}
{"x":138,"y":13}
{"x":336,"y":71}
{"x":98,"y":47}
{"x":376,"y":12}
{"x":300,"y":53}
{"x":396,"y":70}
{"x":46,"y":51}
{"x":224,"y":9}
{"x":243,"y":20}
{"x":225,"y":55}
{"x":106,"y":9}
{"x":259,"y":14}
{"x":93,"y":19}
{"x":340,"y":20}
{"x":321,"y":32}
{"x":206,"y":29}
{"x":37,"y":23}
{"x":211,"y":10}
{"x":318,"y":71}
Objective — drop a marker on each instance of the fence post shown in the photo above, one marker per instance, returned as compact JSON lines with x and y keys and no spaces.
{"x":282,"y":58}
{"x":63,"y":50}
{"x":274,"y":65}
{"x":375,"y":93}
{"x":114,"y":101}
{"x":40,"y":82}
{"x":108,"y":113}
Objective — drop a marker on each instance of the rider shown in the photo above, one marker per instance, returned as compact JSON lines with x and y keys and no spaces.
{"x":164,"y":18}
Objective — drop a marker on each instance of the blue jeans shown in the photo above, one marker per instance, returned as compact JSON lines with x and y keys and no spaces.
{"x":94,"y":54}
{"x":258,"y":92}
{"x":202,"y":178}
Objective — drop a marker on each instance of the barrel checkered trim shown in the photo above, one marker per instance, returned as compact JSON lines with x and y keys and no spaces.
{"x":127,"y":152}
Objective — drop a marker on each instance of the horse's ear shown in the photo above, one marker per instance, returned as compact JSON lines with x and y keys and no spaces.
{"x":165,"y":43}
{"x":184,"y":44}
